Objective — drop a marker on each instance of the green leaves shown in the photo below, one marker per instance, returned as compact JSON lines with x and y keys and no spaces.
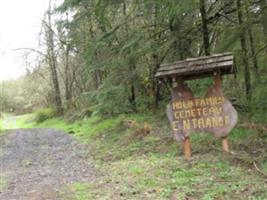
{"x":124,"y":42}
{"x":69,"y":4}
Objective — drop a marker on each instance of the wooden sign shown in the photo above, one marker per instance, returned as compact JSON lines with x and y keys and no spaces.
{"x":212,"y":113}
{"x":199,"y":114}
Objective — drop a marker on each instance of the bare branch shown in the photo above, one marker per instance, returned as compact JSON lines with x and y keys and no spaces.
{"x":32,"y":50}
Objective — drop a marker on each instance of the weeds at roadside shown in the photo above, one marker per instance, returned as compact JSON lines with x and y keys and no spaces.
{"x":149,"y":165}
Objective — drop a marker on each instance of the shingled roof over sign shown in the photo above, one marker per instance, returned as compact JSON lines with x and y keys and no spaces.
{"x":193,"y":68}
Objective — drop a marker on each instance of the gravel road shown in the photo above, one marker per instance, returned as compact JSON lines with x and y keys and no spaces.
{"x":36,"y":164}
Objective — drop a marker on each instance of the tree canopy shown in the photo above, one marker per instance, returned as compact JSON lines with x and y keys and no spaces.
{"x":103,"y":55}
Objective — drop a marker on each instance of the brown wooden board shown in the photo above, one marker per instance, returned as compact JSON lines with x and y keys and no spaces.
{"x":199,"y":114}
{"x":213,"y":113}
{"x":193,"y":68}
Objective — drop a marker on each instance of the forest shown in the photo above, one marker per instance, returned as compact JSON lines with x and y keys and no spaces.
{"x":103,"y":55}
{"x":93,"y":76}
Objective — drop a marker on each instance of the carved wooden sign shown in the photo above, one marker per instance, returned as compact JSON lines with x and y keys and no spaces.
{"x":199,"y":114}
{"x":212,"y":113}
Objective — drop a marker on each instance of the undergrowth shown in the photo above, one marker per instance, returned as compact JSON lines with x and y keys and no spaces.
{"x":44,"y":114}
{"x":139,"y":160}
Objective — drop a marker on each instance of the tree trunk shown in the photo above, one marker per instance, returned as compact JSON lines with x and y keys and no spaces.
{"x":68,"y":93}
{"x":132,"y":97}
{"x":154,"y":89}
{"x":242,"y":36}
{"x":132,"y":65}
{"x":155,"y":63}
{"x":252,"y":45}
{"x":253,"y":54}
{"x":97,"y":78}
{"x":263,"y":5}
{"x":52,"y":63}
{"x":205,"y":31}
{"x":178,"y":45}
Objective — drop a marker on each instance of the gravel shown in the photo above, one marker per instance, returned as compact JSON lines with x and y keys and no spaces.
{"x":36,"y":163}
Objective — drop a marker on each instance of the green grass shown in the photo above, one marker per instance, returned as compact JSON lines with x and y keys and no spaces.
{"x":3,"y":182}
{"x":11,"y":121}
{"x":77,"y":191}
{"x":153,"y":167}
{"x":44,"y":114}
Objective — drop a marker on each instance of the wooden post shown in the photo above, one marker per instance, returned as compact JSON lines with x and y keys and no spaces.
{"x":225,"y":145}
{"x":217,"y":79}
{"x":186,"y":141}
{"x":187,"y":148}
{"x":179,"y":80}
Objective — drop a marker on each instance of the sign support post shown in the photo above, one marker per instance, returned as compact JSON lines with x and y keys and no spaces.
{"x":218,"y":81}
{"x":187,"y":148}
{"x":225,"y":145}
{"x":186,"y":142}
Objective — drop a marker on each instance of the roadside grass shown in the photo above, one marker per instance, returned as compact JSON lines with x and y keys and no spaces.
{"x":10,"y":121}
{"x":76,"y":191}
{"x":137,"y":165}
{"x":3,"y":182}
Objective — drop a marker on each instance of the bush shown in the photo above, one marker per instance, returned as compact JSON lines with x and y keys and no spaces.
{"x":44,"y":114}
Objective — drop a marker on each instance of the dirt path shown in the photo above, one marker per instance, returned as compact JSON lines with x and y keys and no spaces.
{"x":36,"y":164}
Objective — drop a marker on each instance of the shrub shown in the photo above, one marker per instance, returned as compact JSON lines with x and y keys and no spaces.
{"x":44,"y":114}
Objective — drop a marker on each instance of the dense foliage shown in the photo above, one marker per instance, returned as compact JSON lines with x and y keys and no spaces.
{"x":104,"y":54}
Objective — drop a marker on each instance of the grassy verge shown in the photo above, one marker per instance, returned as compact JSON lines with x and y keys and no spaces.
{"x":138,"y":159}
{"x":3,"y":183}
{"x":11,"y":121}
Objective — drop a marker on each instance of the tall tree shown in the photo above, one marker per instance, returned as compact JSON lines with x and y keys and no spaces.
{"x":64,"y":52}
{"x":251,"y":42}
{"x":263,"y":7}
{"x":243,"y":41}
{"x":52,"y":60}
{"x":205,"y":30}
